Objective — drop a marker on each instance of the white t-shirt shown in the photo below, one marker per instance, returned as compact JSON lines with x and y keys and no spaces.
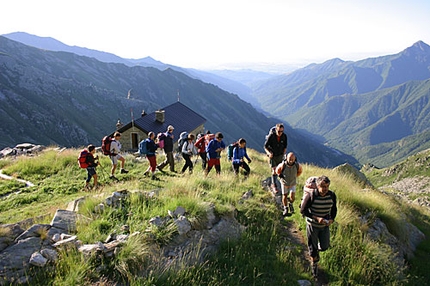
{"x":115,"y":147}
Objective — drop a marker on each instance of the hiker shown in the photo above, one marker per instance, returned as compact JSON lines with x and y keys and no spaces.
{"x":238,"y":159}
{"x":188,"y":150}
{"x":168,"y":150}
{"x":115,"y":149}
{"x":276,"y":147}
{"x":201,"y":148}
{"x":288,"y":172}
{"x":213,"y":151}
{"x":92,"y":164}
{"x":151,"y":147}
{"x":319,"y":208}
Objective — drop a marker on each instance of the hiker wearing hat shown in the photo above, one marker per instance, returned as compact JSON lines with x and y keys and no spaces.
{"x":168,"y":150}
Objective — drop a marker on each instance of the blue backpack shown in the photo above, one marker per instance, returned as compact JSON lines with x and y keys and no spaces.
{"x":143,"y":149}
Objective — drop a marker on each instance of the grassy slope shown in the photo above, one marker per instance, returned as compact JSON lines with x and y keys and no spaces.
{"x":263,"y":256}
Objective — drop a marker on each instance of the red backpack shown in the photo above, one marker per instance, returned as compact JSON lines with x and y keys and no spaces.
{"x":82,"y":159}
{"x":208,"y":138}
{"x":106,"y":141}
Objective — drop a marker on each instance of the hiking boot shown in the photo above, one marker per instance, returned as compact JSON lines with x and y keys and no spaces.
{"x":124,"y":171}
{"x":285,"y":211}
{"x":314,"y":269}
{"x":145,"y":173}
{"x":290,"y":205}
{"x":113,"y":177}
{"x":155,"y":178}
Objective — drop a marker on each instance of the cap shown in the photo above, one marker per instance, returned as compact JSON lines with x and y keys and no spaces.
{"x":170,"y":127}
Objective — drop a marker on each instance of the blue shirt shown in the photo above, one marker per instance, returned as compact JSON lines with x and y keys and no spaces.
{"x":212,"y":146}
{"x":238,"y":154}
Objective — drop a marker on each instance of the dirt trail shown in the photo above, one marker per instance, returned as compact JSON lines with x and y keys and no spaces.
{"x":294,"y":235}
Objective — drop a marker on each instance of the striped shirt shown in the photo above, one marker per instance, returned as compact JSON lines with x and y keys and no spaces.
{"x":321,"y":207}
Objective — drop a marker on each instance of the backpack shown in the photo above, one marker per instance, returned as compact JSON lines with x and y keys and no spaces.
{"x":160,"y":137}
{"x":143,"y":147}
{"x":271,"y":131}
{"x":106,"y":142}
{"x":230,"y":150}
{"x":309,"y":187}
{"x":182,"y":139}
{"x":82,"y":159}
{"x":208,"y":138}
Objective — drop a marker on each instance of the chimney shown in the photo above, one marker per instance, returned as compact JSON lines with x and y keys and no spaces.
{"x":143,"y":113}
{"x":118,"y":124}
{"x":159,"y":116}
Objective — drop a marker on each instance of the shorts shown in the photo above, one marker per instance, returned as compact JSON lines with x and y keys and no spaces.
{"x":91,"y":171}
{"x":214,"y":162}
{"x":276,"y":160}
{"x":115,"y":159}
{"x":288,"y":190}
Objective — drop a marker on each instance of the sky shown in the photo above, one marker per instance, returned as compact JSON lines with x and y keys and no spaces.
{"x":226,"y":33}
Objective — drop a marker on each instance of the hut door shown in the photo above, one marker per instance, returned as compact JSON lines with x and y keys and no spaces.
{"x":134,"y":141}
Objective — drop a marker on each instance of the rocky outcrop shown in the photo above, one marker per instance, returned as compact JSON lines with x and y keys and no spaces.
{"x":355,"y":174}
{"x":402,"y":248}
{"x":414,"y":190}
{"x":22,"y":149}
{"x":22,"y":252}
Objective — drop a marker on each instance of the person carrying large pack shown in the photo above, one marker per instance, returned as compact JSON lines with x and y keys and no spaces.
{"x":188,"y":150}
{"x":276,"y":147}
{"x":87,"y":161}
{"x":201,"y":148}
{"x":288,"y":171}
{"x":168,"y":150}
{"x":319,"y":207}
{"x":183,"y":137}
{"x":148,"y":148}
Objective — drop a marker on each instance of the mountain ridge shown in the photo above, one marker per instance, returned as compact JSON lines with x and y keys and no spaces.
{"x":66,"y":99}
{"x":375,"y":97}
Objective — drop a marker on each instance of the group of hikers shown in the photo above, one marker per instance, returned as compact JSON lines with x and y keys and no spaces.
{"x":318,"y":204}
{"x":208,"y":146}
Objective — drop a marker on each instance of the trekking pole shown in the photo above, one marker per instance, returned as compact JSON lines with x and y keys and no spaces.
{"x":103,"y":171}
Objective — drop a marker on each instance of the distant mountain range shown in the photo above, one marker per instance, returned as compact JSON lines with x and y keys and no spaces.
{"x":57,"y":97}
{"x":376,"y":109}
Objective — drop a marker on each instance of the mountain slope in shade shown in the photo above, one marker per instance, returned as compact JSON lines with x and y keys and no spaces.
{"x":69,"y":100}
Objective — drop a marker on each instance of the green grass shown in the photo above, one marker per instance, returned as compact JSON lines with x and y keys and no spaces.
{"x":262,"y":256}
